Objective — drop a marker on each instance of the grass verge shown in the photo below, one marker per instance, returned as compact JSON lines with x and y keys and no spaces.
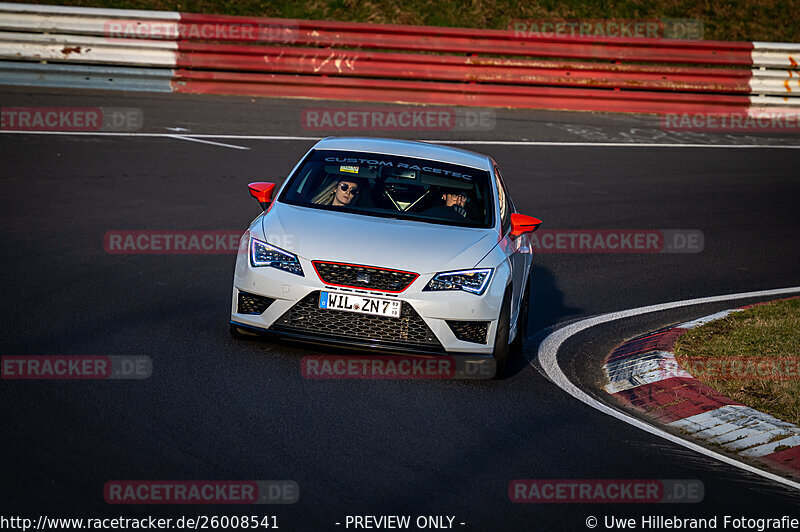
{"x":752,"y":356}
{"x":726,"y":20}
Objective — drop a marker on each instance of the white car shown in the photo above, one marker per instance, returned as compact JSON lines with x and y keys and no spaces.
{"x":387,"y":244}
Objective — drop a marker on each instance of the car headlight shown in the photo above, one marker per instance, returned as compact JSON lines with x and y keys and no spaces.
{"x":473,"y":281}
{"x":263,"y":254}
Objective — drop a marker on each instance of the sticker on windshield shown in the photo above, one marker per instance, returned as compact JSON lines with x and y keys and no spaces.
{"x":372,"y":163}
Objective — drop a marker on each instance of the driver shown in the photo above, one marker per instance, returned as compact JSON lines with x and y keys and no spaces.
{"x":452,"y":206}
{"x":456,"y":199}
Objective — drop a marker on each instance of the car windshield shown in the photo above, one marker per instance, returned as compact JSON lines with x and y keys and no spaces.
{"x":392,"y":186}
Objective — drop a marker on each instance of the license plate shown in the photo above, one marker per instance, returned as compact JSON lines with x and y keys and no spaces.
{"x":374,"y":306}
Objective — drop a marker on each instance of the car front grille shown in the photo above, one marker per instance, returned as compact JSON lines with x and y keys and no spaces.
{"x":364,"y":277}
{"x":248,"y":303}
{"x":470,"y":331}
{"x":409,"y":330}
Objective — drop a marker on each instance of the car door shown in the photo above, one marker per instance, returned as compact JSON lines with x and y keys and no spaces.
{"x":518,"y":250}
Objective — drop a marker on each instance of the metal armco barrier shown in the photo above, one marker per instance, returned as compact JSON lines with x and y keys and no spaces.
{"x":192,"y":53}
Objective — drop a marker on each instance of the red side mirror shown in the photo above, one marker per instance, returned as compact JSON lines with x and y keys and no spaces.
{"x":521,"y":224}
{"x":262,"y":192}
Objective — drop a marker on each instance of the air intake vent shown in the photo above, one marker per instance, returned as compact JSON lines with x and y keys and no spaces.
{"x":409,"y":330}
{"x":470,"y":331}
{"x":252,"y":303}
{"x":364,"y":277}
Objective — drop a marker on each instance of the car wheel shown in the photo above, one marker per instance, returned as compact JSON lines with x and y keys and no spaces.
{"x":501,"y":347}
{"x":522,"y":320}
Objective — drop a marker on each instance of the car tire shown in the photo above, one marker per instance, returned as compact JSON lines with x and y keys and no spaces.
{"x":522,"y":320}
{"x":501,"y":347}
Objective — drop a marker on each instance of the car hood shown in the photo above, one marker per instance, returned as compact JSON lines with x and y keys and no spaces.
{"x":316,"y":234}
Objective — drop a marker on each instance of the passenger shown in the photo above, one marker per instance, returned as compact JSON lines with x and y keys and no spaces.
{"x":345,"y":192}
{"x":342,"y":193}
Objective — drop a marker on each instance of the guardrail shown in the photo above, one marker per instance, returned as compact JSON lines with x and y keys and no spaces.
{"x":184,"y":52}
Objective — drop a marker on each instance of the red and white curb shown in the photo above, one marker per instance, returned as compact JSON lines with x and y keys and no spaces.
{"x":643,"y":373}
{"x":547,"y":357}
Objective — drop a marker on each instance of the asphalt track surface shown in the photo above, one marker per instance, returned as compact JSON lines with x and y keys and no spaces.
{"x":221,"y":409}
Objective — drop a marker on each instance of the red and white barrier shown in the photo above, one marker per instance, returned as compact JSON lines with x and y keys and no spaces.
{"x":425,"y":65}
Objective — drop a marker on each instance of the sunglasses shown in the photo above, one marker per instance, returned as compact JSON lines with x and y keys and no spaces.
{"x":352,"y":188}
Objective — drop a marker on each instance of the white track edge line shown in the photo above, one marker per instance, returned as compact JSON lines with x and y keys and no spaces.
{"x":548,"y":351}
{"x":611,"y":144}
{"x":157,"y":135}
{"x":434,"y":141}
{"x":192,"y":139}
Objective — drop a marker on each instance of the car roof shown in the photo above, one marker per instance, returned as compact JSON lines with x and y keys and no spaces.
{"x":408,"y":148}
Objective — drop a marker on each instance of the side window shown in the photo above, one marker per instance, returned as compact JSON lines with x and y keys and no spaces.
{"x":503,"y":200}
{"x":304,"y":182}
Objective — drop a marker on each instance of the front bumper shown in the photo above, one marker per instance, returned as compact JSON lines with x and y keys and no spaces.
{"x":422,"y":327}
